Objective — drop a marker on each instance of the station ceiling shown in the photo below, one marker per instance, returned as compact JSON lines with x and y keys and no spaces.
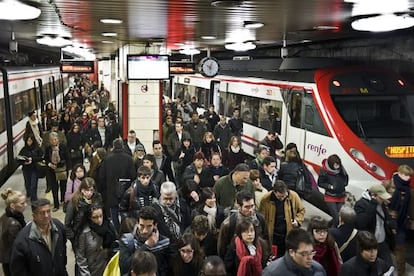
{"x":175,"y":24}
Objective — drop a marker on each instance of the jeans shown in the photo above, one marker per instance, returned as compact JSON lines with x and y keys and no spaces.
{"x":334,"y":210}
{"x":30,"y":182}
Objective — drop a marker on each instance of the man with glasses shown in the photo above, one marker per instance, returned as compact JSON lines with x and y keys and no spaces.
{"x":298,"y":259}
{"x":144,"y":237}
{"x":283,"y":210}
{"x":246,"y":209}
{"x":40,"y":247}
{"x":141,"y":193}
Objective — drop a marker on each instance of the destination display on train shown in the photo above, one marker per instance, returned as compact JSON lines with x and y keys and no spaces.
{"x":399,"y":151}
{"x":77,"y":66}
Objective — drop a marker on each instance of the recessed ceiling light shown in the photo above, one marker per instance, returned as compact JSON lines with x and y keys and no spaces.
{"x":208,"y":37}
{"x":253,"y":24}
{"x":325,"y":28}
{"x":16,"y":10}
{"x":240,"y":46}
{"x":109,"y":34}
{"x":383,"y":23}
{"x":189,"y":51}
{"x":107,"y":42}
{"x":179,"y":44}
{"x":226,"y":3}
{"x":111,"y":21}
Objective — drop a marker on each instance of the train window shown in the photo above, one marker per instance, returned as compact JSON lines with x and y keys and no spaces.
{"x":16,"y":107}
{"x":202,"y":96}
{"x":269,"y":115}
{"x":296,"y":108}
{"x":2,"y":116}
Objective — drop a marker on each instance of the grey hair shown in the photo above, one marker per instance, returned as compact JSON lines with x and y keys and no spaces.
{"x":347,"y":214}
{"x":53,"y":135}
{"x":168,"y":187}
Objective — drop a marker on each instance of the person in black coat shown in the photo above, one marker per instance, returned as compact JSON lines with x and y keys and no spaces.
{"x":345,"y":233}
{"x":141,"y":193}
{"x":75,"y":144}
{"x":366,"y":262}
{"x":31,"y":154}
{"x":333,"y":178}
{"x":101,"y":133}
{"x":212,"y":118}
{"x":115,"y":175}
{"x":32,"y":254}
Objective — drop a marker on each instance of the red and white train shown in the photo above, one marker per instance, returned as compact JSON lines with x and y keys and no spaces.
{"x":23,"y":90}
{"x":362,"y":114}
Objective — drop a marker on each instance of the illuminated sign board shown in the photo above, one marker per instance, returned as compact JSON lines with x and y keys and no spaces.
{"x":182,"y":67}
{"x":399,"y":151}
{"x":77,"y":66}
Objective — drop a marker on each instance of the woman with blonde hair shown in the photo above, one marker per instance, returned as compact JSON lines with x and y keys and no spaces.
{"x":209,"y":146}
{"x":11,"y":222}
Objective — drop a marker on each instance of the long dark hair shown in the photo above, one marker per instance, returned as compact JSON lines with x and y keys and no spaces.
{"x":75,"y":168}
{"x":198,"y":254}
{"x":318,"y":222}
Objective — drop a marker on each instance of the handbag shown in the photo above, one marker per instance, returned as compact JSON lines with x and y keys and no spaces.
{"x":300,"y":180}
{"x":41,"y":169}
{"x":61,"y":173}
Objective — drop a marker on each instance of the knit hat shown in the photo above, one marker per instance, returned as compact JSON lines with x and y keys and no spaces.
{"x":380,"y":191}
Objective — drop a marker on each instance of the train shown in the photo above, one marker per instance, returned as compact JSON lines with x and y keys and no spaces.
{"x":360,"y":113}
{"x":21,"y":91}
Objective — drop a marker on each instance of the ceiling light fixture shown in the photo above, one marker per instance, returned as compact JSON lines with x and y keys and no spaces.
{"x":189,"y":51}
{"x":253,"y":24}
{"x":109,"y":34}
{"x":240,"y":46}
{"x":383,"y":23}
{"x":325,"y":28}
{"x":111,"y":21}
{"x":107,"y":42}
{"x":53,"y":40}
{"x":208,"y":37}
{"x":18,"y":10}
{"x":226,"y":3}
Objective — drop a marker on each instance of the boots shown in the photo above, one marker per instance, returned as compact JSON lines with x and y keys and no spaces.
{"x":400,"y":259}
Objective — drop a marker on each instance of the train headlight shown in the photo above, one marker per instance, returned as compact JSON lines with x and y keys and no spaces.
{"x":369,"y":166}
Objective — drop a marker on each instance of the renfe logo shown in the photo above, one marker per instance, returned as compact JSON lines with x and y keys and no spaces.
{"x":318,"y":149}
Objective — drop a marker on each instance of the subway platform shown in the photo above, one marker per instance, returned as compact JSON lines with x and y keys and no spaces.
{"x":16,"y":182}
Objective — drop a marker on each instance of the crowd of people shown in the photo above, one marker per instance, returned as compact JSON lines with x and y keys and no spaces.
{"x":195,"y":204}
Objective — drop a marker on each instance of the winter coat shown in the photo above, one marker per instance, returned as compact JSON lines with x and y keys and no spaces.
{"x":334,"y":184}
{"x":196,"y":130}
{"x":358,"y":266}
{"x":32,"y":257}
{"x":136,"y":197}
{"x":91,"y":258}
{"x":225,"y":190}
{"x":209,"y":148}
{"x":64,"y":157}
{"x":231,"y":159}
{"x":117,"y":165}
{"x":35,"y":153}
{"x":236,"y":126}
{"x":222,"y":135}
{"x":294,"y":210}
{"x":9,"y":229}
{"x":285,"y":266}
{"x":173,"y":143}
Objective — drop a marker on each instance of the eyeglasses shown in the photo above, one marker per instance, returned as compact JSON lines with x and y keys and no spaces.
{"x":306,"y":253}
{"x":186,"y":251}
{"x":320,"y":231}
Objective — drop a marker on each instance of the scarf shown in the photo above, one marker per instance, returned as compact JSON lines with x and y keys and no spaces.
{"x":34,"y":125}
{"x":249,"y":264}
{"x":105,"y":232}
{"x":16,"y":215}
{"x":235,"y":149}
{"x":55,"y":158}
{"x":211,"y":216}
{"x":172,"y":218}
{"x":328,"y":258}
{"x":329,"y":169}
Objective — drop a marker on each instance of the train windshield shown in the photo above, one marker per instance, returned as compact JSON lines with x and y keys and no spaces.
{"x":378,"y":116}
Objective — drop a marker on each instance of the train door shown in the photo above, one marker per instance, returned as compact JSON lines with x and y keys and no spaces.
{"x":39,"y":88}
{"x":214,"y":94}
{"x":295,"y":132}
